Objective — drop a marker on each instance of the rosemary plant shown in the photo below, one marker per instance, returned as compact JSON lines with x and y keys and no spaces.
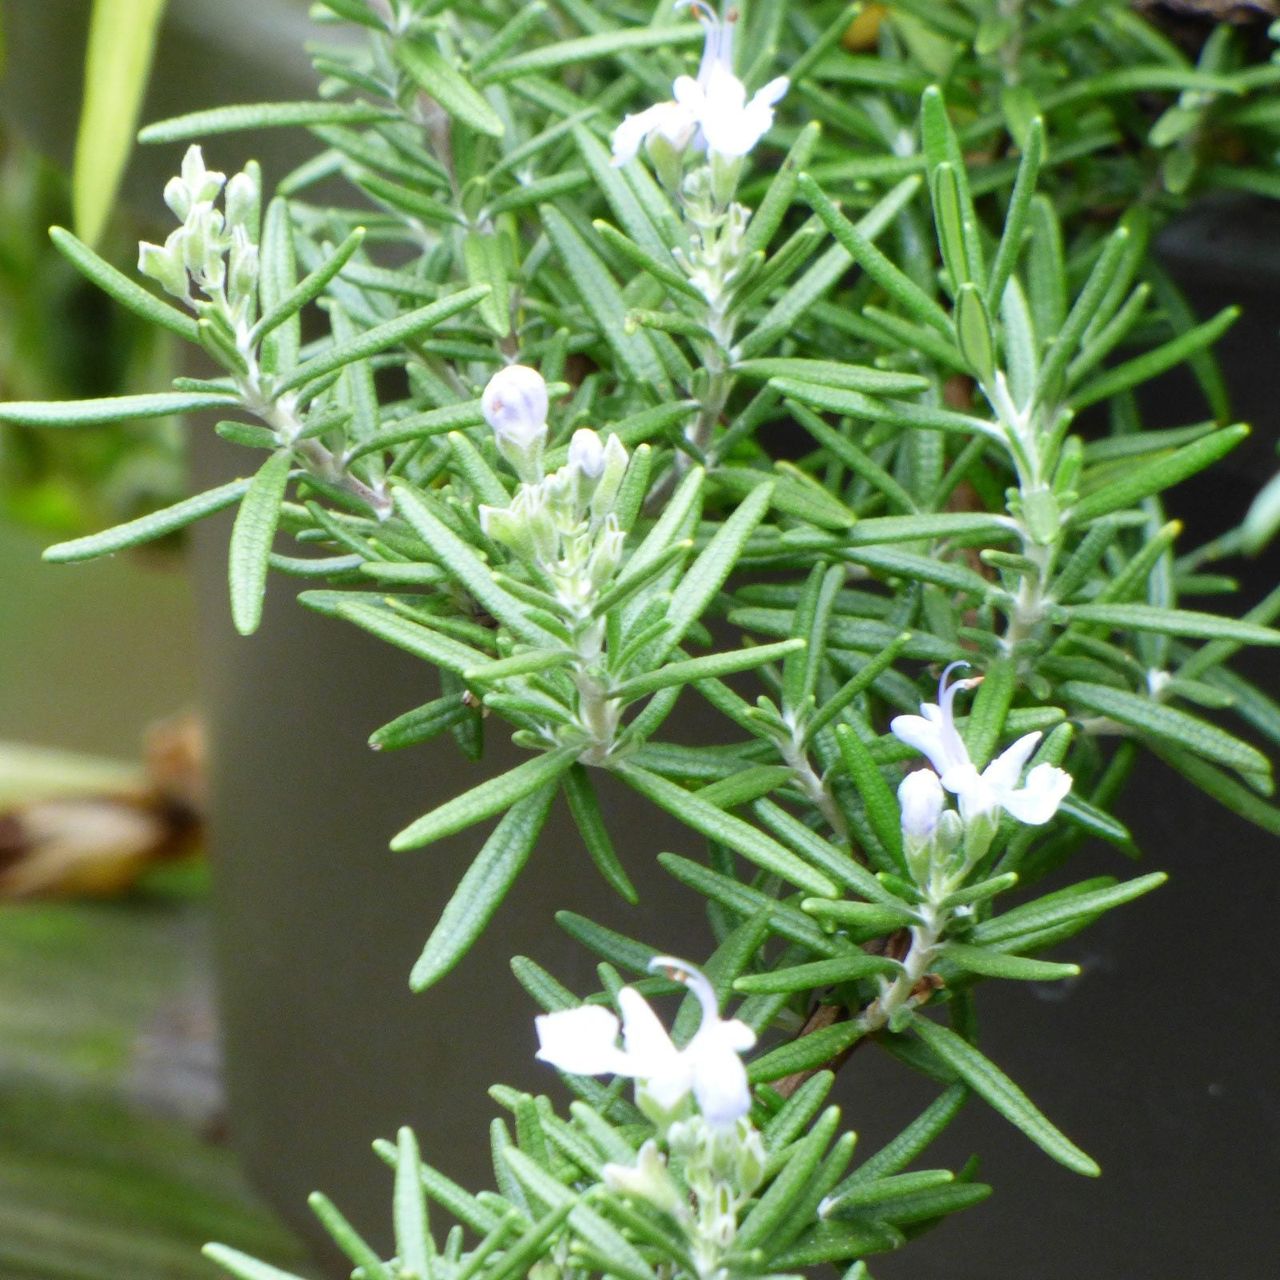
{"x":758,"y":380}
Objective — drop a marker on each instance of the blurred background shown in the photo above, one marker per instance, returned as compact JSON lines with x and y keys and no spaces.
{"x":115,"y":676}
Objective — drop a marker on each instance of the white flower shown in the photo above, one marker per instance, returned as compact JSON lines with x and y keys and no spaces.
{"x":732,"y":124}
{"x":583,"y":1041}
{"x":515,"y":405}
{"x":711,"y":111}
{"x":933,"y":733}
{"x":675,"y":123}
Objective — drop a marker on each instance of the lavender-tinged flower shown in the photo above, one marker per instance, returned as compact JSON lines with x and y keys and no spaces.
{"x":933,"y":733}
{"x":583,"y":1041}
{"x":712,"y":111}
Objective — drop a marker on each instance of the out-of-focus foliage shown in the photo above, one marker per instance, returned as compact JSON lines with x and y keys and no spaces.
{"x":60,"y":337}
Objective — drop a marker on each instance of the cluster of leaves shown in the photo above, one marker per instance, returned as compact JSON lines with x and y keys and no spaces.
{"x":862,"y":464}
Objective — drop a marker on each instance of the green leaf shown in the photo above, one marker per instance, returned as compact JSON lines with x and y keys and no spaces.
{"x":1017,"y":215}
{"x":155,"y":524}
{"x":262,"y":115}
{"x":94,"y":413}
{"x":896,"y":283}
{"x":712,"y":665}
{"x":482,"y":254}
{"x":413,"y":637}
{"x":921,"y":1133}
{"x":308,"y":288}
{"x":603,"y":300}
{"x":829,"y":373}
{"x":808,"y":1053}
{"x":1174,"y":622}
{"x":862,"y":920}
{"x":745,"y":901}
{"x":128,"y":293}
{"x":706,"y":575}
{"x":771,"y":1212}
{"x":490,"y":797}
{"x":603,"y":44}
{"x":1141,"y":482}
{"x":122,"y":41}
{"x":466,"y":567}
{"x":1223,"y":788}
{"x":243,"y":1266}
{"x":413,"y":1241}
{"x":347,"y":1238}
{"x":585,"y":807}
{"x":1151,"y":363}
{"x":1175,"y":726}
{"x":251,"y":538}
{"x":390,"y":333}
{"x":488,"y":880}
{"x":821,"y":973}
{"x":419,"y":725}
{"x":1062,"y":908}
{"x":973,"y":332}
{"x":715,"y":824}
{"x":439,"y":78}
{"x":989,"y":1082}
{"x":880,"y":802}
{"x":996,"y":964}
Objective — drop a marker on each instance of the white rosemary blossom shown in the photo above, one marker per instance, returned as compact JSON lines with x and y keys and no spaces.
{"x":933,"y":733}
{"x":583,"y":1041}
{"x":712,"y":111}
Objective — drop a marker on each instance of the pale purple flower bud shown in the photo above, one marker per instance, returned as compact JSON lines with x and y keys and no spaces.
{"x":586,"y":453}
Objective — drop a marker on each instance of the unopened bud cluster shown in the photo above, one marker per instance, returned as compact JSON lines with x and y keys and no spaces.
{"x":563,"y":522}
{"x":216,"y":249}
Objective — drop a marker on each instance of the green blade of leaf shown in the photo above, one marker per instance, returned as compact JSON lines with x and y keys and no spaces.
{"x":487,"y":882}
{"x":261,"y":115}
{"x":155,"y":524}
{"x":388,"y":334}
{"x":466,"y":567}
{"x":122,"y":41}
{"x":242,"y":1266}
{"x":1061,"y":908}
{"x":996,"y":964}
{"x":712,"y":665}
{"x":128,"y":293}
{"x":413,"y":1241}
{"x":1142,"y":482}
{"x":251,"y":538}
{"x":94,"y":413}
{"x":438,"y":77}
{"x":483,"y":801}
{"x":585,"y":807}
{"x":603,"y":44}
{"x":990,"y":1083}
{"x":715,"y":824}
{"x":1174,"y":725}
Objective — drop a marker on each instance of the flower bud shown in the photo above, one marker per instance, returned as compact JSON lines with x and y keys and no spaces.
{"x":178,"y":198}
{"x":243,"y":275}
{"x":202,"y":184}
{"x":586,"y":453}
{"x":243,"y":202}
{"x":648,"y":1181}
{"x":515,"y":405}
{"x":616,"y":460}
{"x":921,"y":798}
{"x":164,"y":264}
